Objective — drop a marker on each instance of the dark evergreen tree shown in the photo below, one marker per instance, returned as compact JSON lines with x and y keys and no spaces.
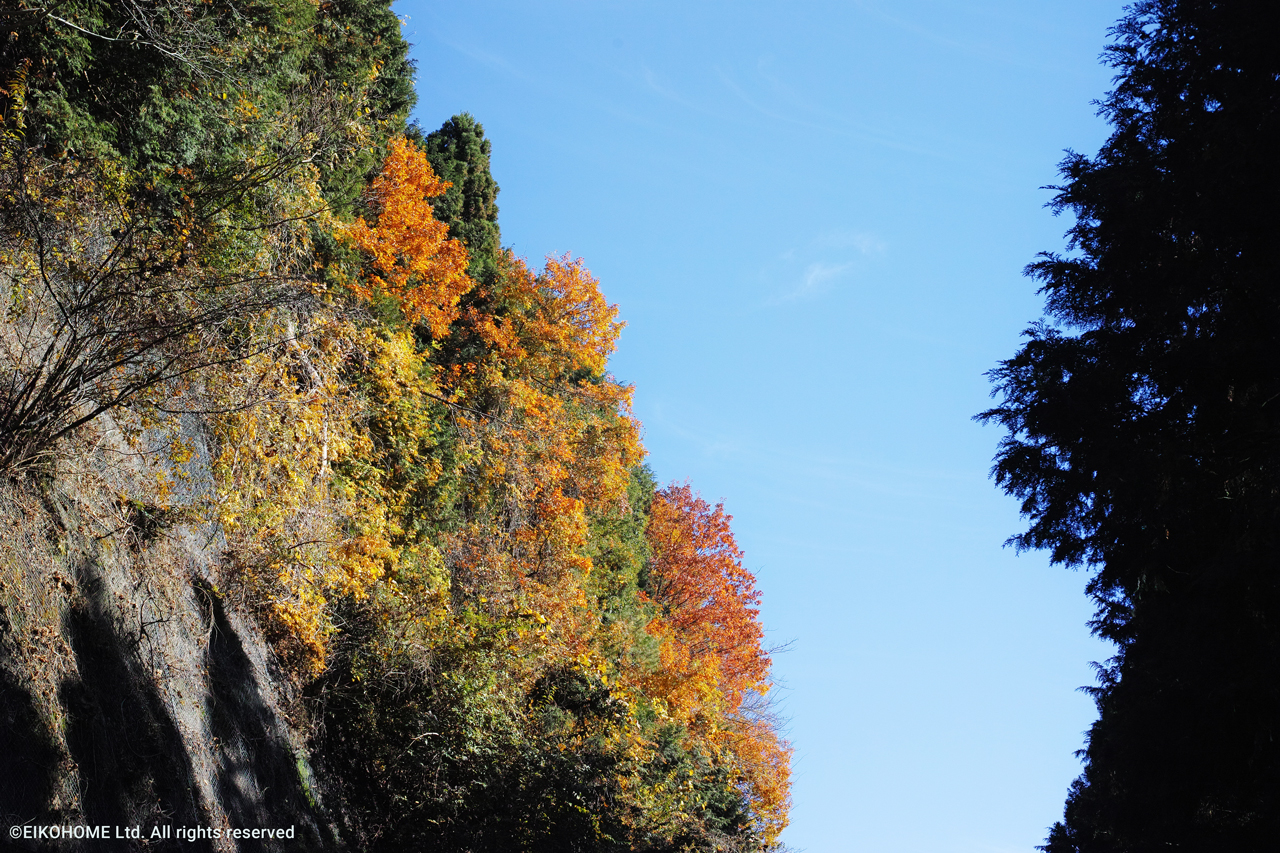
{"x":1144,"y":431}
{"x":459,"y":153}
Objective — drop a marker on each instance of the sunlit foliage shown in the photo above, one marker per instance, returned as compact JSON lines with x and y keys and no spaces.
{"x":414,"y":261}
{"x":714,"y":671}
{"x":422,"y":480}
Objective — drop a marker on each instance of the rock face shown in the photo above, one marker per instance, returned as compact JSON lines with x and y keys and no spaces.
{"x":136,"y":695}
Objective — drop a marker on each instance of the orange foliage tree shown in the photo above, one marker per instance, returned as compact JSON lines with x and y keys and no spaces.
{"x":415,"y":261}
{"x":549,"y":437}
{"x":509,"y":420}
{"x":714,"y":671}
{"x":310,"y":494}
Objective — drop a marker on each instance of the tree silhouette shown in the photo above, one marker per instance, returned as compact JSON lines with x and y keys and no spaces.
{"x":1143,"y":423}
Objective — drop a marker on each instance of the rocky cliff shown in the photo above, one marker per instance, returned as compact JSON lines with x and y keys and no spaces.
{"x":135,"y":695}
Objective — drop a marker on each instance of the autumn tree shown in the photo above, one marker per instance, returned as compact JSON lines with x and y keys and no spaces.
{"x":164,"y":184}
{"x":1142,"y":432}
{"x":714,"y":670}
{"x":361,"y":426}
{"x":415,"y":263}
{"x":110,"y":295}
{"x":709,"y":602}
{"x":496,"y":654}
{"x":511,"y":623}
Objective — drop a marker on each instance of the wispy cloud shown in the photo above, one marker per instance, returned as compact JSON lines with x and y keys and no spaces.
{"x":972,"y":47}
{"x":818,"y":278}
{"x":819,"y":266}
{"x":719,"y":445}
{"x":791,"y":107}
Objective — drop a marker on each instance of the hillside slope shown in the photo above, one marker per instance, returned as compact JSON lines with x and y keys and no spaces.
{"x":326,"y":514}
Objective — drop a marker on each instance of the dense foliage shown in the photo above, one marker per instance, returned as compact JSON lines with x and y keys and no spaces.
{"x":430,"y":491}
{"x":1142,"y":432}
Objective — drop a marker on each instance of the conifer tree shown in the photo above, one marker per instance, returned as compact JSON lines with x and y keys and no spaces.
{"x":459,"y":153}
{"x":1144,"y":432}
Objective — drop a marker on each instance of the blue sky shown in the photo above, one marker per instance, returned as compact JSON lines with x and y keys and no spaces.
{"x":814,"y":217}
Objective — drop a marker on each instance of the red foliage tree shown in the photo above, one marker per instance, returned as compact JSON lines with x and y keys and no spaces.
{"x":714,"y":671}
{"x":709,"y":601}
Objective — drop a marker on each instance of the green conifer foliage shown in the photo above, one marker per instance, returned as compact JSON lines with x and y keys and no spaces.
{"x":459,"y":153}
{"x":154,"y":81}
{"x":360,"y":54}
{"x":173,"y":85}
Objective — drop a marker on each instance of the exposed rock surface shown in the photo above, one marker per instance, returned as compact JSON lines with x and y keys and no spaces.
{"x":133,"y":691}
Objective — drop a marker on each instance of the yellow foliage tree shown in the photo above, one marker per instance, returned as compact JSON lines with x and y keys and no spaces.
{"x":550,"y":438}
